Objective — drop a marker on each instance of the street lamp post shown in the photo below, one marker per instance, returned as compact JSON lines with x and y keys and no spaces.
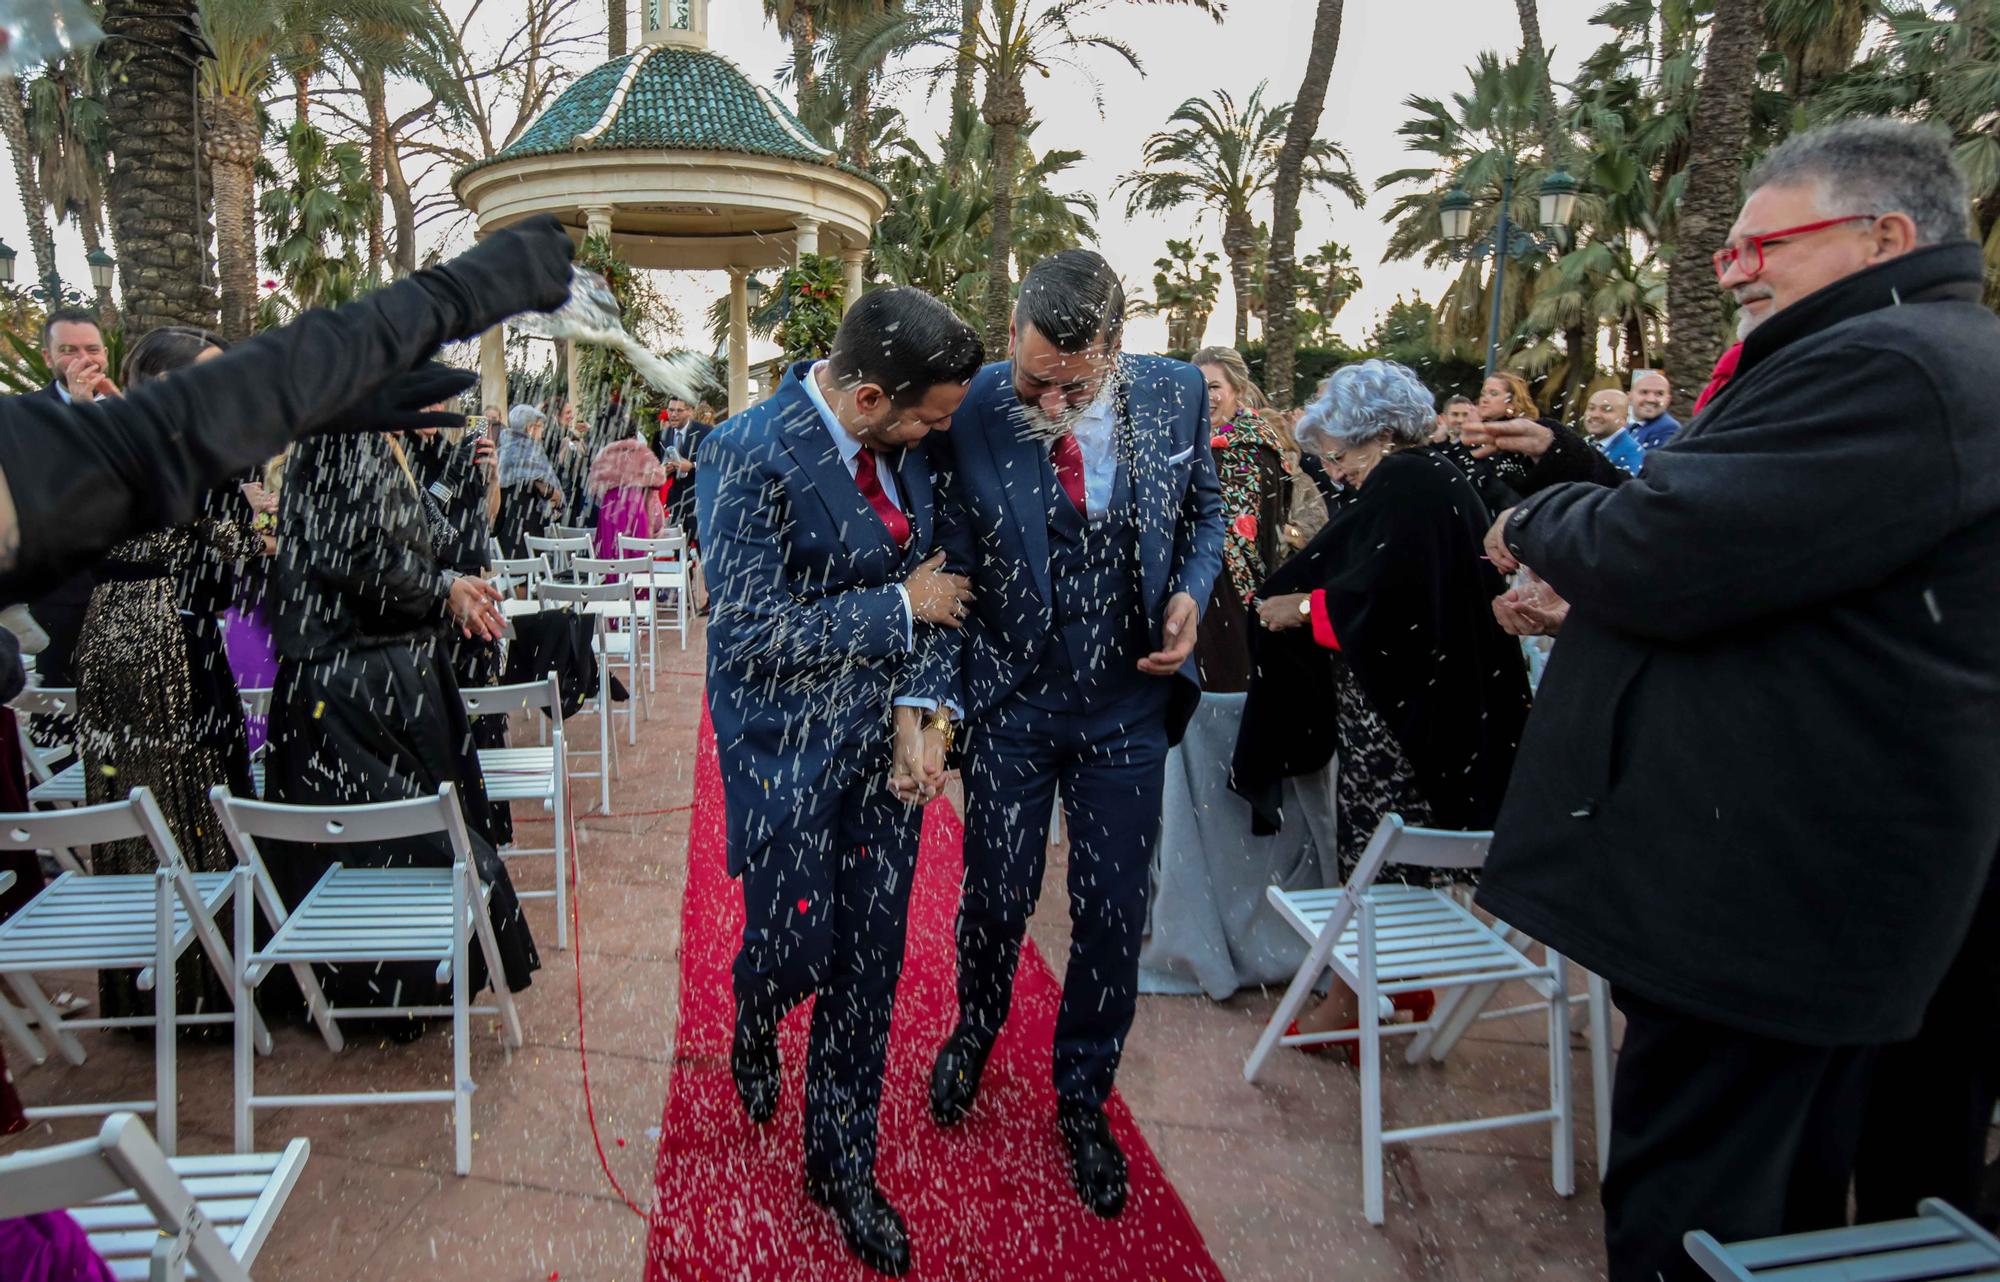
{"x":1557,"y":205}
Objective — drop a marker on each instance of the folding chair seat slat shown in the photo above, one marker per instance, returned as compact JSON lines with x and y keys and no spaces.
{"x":1951,"y":1260}
{"x":1831,"y":1244}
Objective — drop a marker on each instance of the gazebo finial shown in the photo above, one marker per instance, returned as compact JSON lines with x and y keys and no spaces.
{"x":674,"y":22}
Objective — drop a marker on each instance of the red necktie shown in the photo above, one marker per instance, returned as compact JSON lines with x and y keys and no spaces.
{"x":1067,"y":455}
{"x":870,"y":486}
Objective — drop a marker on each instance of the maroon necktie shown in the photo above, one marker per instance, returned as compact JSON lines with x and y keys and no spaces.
{"x":870,"y":486}
{"x":1067,"y":455}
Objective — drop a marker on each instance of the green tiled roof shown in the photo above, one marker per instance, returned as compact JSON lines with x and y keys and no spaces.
{"x":681,"y":100}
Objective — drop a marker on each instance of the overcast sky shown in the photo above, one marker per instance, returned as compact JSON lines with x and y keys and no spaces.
{"x":1388,"y":50}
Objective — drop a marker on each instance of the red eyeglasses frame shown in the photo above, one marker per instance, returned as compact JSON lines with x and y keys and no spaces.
{"x":1728,"y":255}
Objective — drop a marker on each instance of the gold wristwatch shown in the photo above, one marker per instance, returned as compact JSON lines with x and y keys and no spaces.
{"x":941,"y":722}
{"x":1305,"y":607}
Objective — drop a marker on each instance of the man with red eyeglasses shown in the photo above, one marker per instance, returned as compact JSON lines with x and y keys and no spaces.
{"x":1760,"y":789}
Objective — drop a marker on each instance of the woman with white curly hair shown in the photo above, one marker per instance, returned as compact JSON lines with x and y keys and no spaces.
{"x":1383,"y":629}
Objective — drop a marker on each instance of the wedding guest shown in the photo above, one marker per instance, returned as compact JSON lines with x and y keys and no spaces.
{"x":156,"y":701}
{"x":1826,"y":630}
{"x":1250,"y":464}
{"x":1651,"y":425}
{"x":625,"y":481}
{"x":531,"y":493}
{"x":367,"y":707}
{"x":1380,"y":648}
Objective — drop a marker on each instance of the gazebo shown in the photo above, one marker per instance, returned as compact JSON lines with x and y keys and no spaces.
{"x":685,"y":164}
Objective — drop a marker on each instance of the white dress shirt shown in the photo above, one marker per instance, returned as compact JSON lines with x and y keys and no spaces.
{"x":1096,"y":433}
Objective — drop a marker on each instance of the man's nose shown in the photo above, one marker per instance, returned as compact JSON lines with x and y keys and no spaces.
{"x":1053,"y":402}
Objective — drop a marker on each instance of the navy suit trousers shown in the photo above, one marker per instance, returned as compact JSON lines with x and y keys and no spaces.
{"x":1111,"y":764}
{"x":825,"y":909}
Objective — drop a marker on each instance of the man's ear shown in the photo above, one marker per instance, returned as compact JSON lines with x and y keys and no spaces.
{"x":1895,"y":235}
{"x":870,"y":400}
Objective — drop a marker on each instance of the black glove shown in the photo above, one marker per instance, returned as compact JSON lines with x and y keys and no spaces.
{"x":525,"y":268}
{"x":402,"y":402}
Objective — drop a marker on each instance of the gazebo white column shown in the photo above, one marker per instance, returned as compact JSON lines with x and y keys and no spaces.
{"x":851,"y":261}
{"x":808,"y":234}
{"x":739,"y":341}
{"x":493,"y":368}
{"x":597,"y":221}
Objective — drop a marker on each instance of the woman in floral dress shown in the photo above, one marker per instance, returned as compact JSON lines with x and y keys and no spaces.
{"x":1250,"y":462}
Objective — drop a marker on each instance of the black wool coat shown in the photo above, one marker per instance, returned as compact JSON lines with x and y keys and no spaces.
{"x":1761,"y":782}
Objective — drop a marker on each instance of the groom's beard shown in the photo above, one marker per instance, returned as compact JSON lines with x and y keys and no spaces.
{"x":1040,"y":426}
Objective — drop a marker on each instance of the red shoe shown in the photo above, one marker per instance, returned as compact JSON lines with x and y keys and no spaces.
{"x":1350,"y":1049}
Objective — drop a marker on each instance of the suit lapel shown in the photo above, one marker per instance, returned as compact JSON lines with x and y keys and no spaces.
{"x":1018,"y":471}
{"x":913,"y":486}
{"x":806,"y":439}
{"x":1144,"y":445}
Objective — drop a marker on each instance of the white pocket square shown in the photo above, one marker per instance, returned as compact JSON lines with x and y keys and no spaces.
{"x":1174,"y":460}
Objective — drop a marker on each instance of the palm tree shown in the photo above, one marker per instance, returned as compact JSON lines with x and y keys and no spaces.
{"x":1939,"y":63}
{"x":1226,"y":160}
{"x":66,"y":125}
{"x":14,"y":128}
{"x":1184,"y":291}
{"x":1698,"y":312}
{"x":800,"y":20}
{"x":1281,"y":275}
{"x":1015,"y":38}
{"x":252,"y":42}
{"x":1331,"y":280}
{"x":315,"y":215}
{"x":158,"y":195}
{"x":937,"y":234}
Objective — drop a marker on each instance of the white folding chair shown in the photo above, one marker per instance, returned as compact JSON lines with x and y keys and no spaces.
{"x":623,"y":641}
{"x":1381,"y":940}
{"x":530,"y":774}
{"x":580,"y":596}
{"x":148,"y":1216}
{"x":362,"y":915}
{"x":558,"y":550}
{"x":1942,"y":1244}
{"x":666,"y":582}
{"x":520,"y":572}
{"x":134,"y":921}
{"x":45,"y":701}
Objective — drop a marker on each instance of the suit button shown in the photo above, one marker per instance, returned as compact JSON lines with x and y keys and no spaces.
{"x":1585,"y":809}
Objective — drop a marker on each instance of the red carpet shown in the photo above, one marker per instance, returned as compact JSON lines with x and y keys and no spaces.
{"x":990,"y":1199}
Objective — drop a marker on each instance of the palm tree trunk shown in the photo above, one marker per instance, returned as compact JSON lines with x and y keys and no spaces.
{"x":1582,"y":365}
{"x":857,"y":120}
{"x":158,"y":194}
{"x":375,"y":89}
{"x":402,"y":204}
{"x":14,"y":126}
{"x":1635,"y":343}
{"x":614,"y":14}
{"x":232,"y":154}
{"x":802,"y":37}
{"x":1238,"y":240}
{"x":301,"y":93}
{"x":1281,"y":300}
{"x":1005,"y":111}
{"x":1697,"y":311}
{"x":1532,"y":47}
{"x":968,"y":50}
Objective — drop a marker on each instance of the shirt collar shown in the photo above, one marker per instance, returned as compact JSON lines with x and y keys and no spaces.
{"x":63,"y":392}
{"x":843,"y":440}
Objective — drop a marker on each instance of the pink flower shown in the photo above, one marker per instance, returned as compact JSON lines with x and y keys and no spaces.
{"x":270,"y":284}
{"x":1245,"y":526}
{"x":1219,"y":441}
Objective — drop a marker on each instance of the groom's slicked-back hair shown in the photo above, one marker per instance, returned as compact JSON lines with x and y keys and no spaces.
{"x":1073,"y":299}
{"x":905,"y":342}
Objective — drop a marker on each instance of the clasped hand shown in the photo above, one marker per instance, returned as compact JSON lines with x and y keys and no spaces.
{"x":917,"y":773}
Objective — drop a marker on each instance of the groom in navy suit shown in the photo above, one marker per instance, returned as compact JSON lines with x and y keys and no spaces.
{"x":1079,"y":494}
{"x":826,"y":649}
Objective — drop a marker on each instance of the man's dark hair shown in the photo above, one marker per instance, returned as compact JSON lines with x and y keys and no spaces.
{"x":1460,"y":399}
{"x":1073,"y":299}
{"x":68,"y":316}
{"x":905,"y":342}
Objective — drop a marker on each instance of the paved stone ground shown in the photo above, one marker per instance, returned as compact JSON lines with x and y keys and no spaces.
{"x":1270,"y":1172}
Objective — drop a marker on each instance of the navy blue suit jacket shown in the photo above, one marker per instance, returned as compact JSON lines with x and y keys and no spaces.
{"x":807,"y":631}
{"x":993,"y":514}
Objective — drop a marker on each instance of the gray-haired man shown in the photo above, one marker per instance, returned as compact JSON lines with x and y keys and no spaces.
{"x":1758,"y":790}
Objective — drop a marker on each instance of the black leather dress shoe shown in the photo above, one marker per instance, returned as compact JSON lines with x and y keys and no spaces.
{"x":1096,"y":1163}
{"x":753,"y":1062}
{"x":869,"y":1225}
{"x":955,"y":1076}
